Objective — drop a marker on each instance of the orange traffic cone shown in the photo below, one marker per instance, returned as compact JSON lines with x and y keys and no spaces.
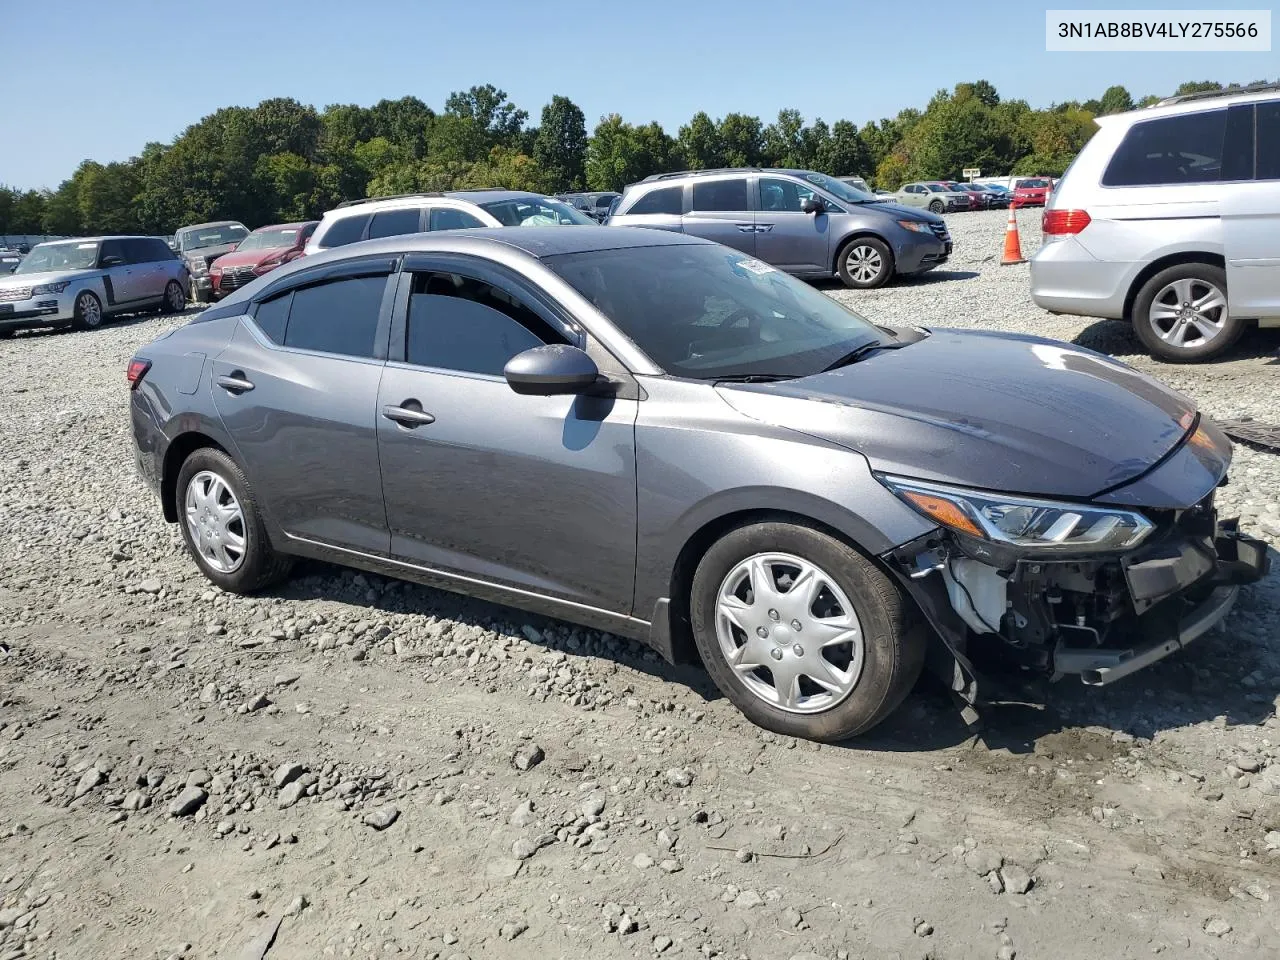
{"x":1012,"y":245}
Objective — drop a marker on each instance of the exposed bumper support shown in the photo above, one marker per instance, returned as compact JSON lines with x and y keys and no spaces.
{"x":1098,"y":667}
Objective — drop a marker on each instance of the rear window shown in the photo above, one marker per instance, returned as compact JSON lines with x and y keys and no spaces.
{"x":730,"y":195}
{"x":669,"y":200}
{"x":344,"y":230}
{"x":1170,"y":150}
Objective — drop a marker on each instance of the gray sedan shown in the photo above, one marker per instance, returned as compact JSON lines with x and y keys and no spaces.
{"x":674,"y":441}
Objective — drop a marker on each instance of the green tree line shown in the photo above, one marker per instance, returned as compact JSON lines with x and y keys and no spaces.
{"x":283,"y":160}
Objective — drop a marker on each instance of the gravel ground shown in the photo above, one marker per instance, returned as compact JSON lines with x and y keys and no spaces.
{"x":352,"y":766}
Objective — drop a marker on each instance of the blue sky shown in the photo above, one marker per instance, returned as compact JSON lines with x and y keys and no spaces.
{"x":111,"y":75}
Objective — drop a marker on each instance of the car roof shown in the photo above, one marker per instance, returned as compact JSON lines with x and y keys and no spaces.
{"x":113,"y":236}
{"x":297,"y":225}
{"x":489,"y":196}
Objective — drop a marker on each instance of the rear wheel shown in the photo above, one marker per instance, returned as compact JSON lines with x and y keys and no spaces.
{"x":802,"y":633}
{"x":864,"y":263}
{"x":175,"y":301}
{"x":222,"y":527}
{"x":88,"y":312}
{"x":1180,"y":314}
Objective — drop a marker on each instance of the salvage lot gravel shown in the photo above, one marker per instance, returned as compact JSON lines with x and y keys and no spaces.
{"x":352,"y":766}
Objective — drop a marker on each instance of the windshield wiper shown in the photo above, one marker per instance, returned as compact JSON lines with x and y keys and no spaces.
{"x":857,"y":353}
{"x":755,"y":378}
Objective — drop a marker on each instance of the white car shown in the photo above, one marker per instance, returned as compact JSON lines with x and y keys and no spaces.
{"x":1170,"y":218}
{"x":82,"y":282}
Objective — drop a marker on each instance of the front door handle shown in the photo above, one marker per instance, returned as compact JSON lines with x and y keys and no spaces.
{"x":408,"y":416}
{"x":747,"y":227}
{"x":763,"y":227}
{"x":235,"y":383}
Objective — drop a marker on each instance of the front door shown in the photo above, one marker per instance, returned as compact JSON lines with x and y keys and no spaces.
{"x":297,"y":390}
{"x":535,"y":493}
{"x":1251,"y":223}
{"x":786,"y":236}
{"x":721,"y":211}
{"x":119,"y":276}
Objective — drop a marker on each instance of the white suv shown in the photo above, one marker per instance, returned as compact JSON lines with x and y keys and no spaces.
{"x":1170,"y":218}
{"x":358,"y":220}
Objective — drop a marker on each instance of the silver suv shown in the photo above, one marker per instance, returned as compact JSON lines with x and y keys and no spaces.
{"x":1170,"y":219}
{"x":806,"y":223}
{"x":938,"y":197}
{"x":375,"y":217}
{"x":81,"y":282}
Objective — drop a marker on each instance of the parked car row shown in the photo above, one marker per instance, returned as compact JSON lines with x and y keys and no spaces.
{"x":596,"y":205}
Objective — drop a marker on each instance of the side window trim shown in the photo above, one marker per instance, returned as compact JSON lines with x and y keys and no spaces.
{"x":347,"y":268}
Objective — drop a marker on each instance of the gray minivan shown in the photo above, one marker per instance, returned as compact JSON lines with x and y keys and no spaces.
{"x":806,"y":223}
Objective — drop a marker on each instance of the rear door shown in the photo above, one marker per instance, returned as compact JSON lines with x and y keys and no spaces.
{"x":297,"y":390}
{"x":1251,"y":210}
{"x":786,"y":236}
{"x":721,"y":210}
{"x":148,"y":276}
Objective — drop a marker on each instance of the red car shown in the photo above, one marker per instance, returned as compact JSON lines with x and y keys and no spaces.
{"x":978,"y":199}
{"x":1031,"y":191}
{"x":260,"y":252}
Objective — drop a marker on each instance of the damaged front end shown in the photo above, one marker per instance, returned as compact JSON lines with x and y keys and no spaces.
{"x":1097,"y":590}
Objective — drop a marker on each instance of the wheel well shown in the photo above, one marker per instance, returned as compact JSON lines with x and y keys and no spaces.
{"x":857,"y":235}
{"x":181,"y":447}
{"x":683,"y":648}
{"x":1172,"y":260}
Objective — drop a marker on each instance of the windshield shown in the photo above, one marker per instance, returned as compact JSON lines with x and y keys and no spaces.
{"x":839,"y":189}
{"x":937,"y":187}
{"x":269,"y":239}
{"x":57,"y":257}
{"x":194,"y":239}
{"x":1033,"y":184}
{"x":707,"y":312}
{"x":536,"y":212}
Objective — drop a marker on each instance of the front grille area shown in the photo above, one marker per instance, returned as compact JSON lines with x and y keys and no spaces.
{"x":14,"y":294}
{"x":940,"y":231}
{"x":236,"y":277}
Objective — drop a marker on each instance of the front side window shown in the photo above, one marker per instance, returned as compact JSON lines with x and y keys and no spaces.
{"x":395,"y":223}
{"x":137,"y":251}
{"x":706,"y":312}
{"x":112,"y":254}
{"x":1181,"y":149}
{"x":451,"y":218}
{"x":344,"y":230}
{"x":668,"y":200}
{"x":463,"y":324}
{"x":720,"y":196}
{"x":340,"y":316}
{"x":783,"y":196}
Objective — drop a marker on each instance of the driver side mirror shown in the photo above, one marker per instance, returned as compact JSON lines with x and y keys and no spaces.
{"x":813,"y":205}
{"x":113,"y":261}
{"x":550,"y":371}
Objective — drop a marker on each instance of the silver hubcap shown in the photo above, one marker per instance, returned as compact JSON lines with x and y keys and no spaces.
{"x":90,"y":310}
{"x":789,"y":632}
{"x":1188,"y":313}
{"x":176,"y":300}
{"x":864,"y":263}
{"x":215,"y":522}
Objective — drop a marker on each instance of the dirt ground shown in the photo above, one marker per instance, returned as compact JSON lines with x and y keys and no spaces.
{"x":356,"y":767}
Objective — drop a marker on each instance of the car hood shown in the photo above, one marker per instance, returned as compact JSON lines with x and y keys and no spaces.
{"x":1002,"y":412}
{"x":900,"y":212}
{"x":208,"y":254}
{"x":9,"y":281}
{"x":249,"y":258}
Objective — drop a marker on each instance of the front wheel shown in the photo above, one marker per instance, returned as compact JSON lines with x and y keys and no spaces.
{"x":222,"y":527}
{"x":864,"y":263}
{"x":88,"y":312}
{"x":936,"y":206}
{"x":806,"y":636}
{"x":1180,"y":315}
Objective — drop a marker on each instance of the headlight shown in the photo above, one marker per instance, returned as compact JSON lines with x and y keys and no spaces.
{"x":198,"y":267}
{"x":914,"y":225}
{"x":1033,"y":526}
{"x":50,"y":287}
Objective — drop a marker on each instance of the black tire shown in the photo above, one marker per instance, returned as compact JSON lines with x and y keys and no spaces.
{"x":937,"y":206}
{"x":6,"y":334}
{"x":88,"y":311}
{"x":173,"y":302}
{"x":893,"y":637}
{"x":846,"y":270}
{"x":260,"y":565}
{"x":1200,"y":276}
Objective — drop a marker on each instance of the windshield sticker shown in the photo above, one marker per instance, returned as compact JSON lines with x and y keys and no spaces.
{"x":758,"y":267}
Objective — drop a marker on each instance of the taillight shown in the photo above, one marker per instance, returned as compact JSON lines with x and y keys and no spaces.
{"x":1057,"y":222}
{"x":137,"y":370}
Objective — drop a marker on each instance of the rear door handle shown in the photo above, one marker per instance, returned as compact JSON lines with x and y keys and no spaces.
{"x":408,"y":416}
{"x":235,"y":383}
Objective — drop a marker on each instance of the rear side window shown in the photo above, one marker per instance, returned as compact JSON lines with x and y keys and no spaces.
{"x":720,"y":195}
{"x":667,"y":200}
{"x":272,"y":316}
{"x":395,"y":223}
{"x":344,"y":230}
{"x":1170,"y":150}
{"x":337,"y":317}
{"x":460,"y":323}
{"x":1268,"y":131}
{"x":451,"y":218}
